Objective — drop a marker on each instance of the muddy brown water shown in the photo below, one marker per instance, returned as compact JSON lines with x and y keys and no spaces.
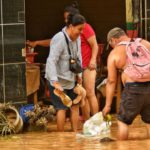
{"x":68,"y":140}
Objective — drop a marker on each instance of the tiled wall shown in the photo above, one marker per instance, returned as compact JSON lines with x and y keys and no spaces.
{"x":12,"y":40}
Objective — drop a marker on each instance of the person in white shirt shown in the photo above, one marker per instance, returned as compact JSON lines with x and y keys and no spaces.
{"x":58,"y":72}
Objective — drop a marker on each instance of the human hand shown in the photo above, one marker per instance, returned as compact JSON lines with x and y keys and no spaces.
{"x":106,"y":110}
{"x":92,"y":65}
{"x":79,"y":80}
{"x":31,"y":43}
{"x":57,"y":86}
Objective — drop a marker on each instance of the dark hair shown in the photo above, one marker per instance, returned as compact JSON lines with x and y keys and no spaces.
{"x":72,"y":9}
{"x":75,"y":20}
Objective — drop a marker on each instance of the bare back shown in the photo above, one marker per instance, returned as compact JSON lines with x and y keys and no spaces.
{"x":117,"y":60}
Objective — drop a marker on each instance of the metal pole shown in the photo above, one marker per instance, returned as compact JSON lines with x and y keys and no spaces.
{"x":141,"y":19}
{"x":145,"y":19}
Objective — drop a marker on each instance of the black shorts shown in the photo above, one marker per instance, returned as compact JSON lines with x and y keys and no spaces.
{"x":56,"y":101}
{"x":135,"y":99}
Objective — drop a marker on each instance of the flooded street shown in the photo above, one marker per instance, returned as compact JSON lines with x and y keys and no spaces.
{"x":53,"y":140}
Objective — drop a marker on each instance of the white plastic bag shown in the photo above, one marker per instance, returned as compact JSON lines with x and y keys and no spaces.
{"x":96,"y":125}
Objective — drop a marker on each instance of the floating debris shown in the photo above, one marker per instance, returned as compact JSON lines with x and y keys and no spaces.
{"x":10,"y":120}
{"x":96,"y":125}
{"x":36,"y":116}
{"x":107,"y":139}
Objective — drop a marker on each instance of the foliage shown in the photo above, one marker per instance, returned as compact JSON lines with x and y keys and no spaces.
{"x":40,"y":115}
{"x":6,"y":126}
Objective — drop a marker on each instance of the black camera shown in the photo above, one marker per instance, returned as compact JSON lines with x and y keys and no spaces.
{"x":75,"y":65}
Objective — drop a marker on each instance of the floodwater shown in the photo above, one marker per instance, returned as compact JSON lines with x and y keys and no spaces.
{"x":53,"y":140}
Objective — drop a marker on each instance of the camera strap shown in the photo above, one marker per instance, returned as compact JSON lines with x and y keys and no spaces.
{"x":67,"y":41}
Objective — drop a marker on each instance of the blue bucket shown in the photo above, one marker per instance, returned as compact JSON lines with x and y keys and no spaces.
{"x":23,"y":110}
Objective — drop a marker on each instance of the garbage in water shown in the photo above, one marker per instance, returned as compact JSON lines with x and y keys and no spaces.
{"x":10,"y":120}
{"x":35,"y":116}
{"x":97,"y":125}
{"x":106,"y":139}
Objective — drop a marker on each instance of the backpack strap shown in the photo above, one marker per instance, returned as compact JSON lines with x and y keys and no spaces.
{"x":123,"y":43}
{"x":127,"y":44}
{"x":137,"y":40}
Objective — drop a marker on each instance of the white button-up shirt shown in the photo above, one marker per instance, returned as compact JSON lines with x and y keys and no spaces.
{"x":57,"y":65}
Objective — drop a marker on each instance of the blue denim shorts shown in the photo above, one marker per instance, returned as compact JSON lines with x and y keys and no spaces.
{"x":56,"y":101}
{"x":135,"y":99}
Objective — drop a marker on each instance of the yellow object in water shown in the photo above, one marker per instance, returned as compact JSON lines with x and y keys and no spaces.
{"x":108,"y":118}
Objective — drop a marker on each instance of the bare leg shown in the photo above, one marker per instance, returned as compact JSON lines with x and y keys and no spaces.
{"x":86,"y":110}
{"x":122,"y":131}
{"x":148,"y":130}
{"x":98,"y":96}
{"x":61,"y":116}
{"x":74,"y":117}
{"x":89,"y":85}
